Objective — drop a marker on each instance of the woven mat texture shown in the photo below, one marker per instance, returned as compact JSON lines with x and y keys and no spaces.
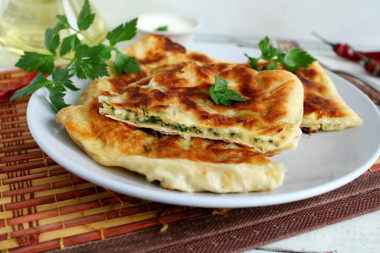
{"x":45,"y":207}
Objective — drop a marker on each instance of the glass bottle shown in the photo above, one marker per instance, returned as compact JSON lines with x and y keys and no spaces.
{"x":23,"y":23}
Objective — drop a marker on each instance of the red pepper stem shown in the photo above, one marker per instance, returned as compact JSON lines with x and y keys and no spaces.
{"x":362,"y":57}
{"x":323,"y":39}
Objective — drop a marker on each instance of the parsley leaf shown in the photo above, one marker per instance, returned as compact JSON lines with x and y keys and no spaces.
{"x":268,"y":51}
{"x":103,"y":51}
{"x":162,"y":28}
{"x":85,"y":17}
{"x":271,"y":66}
{"x":51,"y":40}
{"x":38,"y":82}
{"x":62,"y":24}
{"x":296,"y":58}
{"x":220,"y":93}
{"x":125,"y":64}
{"x":62,"y":76}
{"x":292,"y":60}
{"x":91,"y":61}
{"x":252,"y":61}
{"x":87,"y":62}
{"x":30,"y":61}
{"x":123,"y":32}
{"x":56,"y":96}
{"x":68,"y":44}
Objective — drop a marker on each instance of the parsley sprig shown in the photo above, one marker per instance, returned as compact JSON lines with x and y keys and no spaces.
{"x":87,"y":61}
{"x":163,"y":28}
{"x":220,"y":93}
{"x":292,"y":60}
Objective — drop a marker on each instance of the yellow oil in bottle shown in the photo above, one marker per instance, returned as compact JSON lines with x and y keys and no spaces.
{"x":23,"y":23}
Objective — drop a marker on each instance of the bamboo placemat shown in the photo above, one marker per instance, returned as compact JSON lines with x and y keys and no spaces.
{"x":45,"y":207}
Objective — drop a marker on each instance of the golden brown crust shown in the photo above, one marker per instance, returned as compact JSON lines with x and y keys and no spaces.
{"x":256,"y":87}
{"x":135,"y":141}
{"x":323,"y":106}
{"x":178,"y":164}
{"x":268,"y":120}
{"x":194,"y":164}
{"x":318,"y":97}
{"x":154,"y":51}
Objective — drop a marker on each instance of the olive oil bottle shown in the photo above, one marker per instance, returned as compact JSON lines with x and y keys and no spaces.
{"x":23,"y":23}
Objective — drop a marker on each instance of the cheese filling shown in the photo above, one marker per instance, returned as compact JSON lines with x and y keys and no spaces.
{"x":157,"y":123}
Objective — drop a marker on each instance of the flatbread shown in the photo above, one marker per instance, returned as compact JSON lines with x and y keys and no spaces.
{"x":176,"y":163}
{"x":197,"y":164}
{"x":324,"y":108}
{"x":171,"y":102}
{"x":156,"y":53}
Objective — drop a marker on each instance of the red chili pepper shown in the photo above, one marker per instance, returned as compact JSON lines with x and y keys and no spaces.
{"x":347,"y":52}
{"x":7,"y":92}
{"x":372,"y":66}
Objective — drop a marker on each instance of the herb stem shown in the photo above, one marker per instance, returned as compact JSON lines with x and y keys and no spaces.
{"x":65,"y":58}
{"x":70,"y":63}
{"x":89,"y":60}
{"x":115,"y":49}
{"x":84,"y":35}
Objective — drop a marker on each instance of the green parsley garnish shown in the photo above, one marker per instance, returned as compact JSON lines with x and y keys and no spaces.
{"x":88,"y":61}
{"x":162,"y":28}
{"x":220,"y":93}
{"x":292,"y":60}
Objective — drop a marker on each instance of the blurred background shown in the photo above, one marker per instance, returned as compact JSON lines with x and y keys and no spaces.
{"x":237,"y":22}
{"x":245,"y":22}
{"x":356,"y":22}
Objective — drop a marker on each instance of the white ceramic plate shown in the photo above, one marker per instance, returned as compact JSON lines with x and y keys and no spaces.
{"x":322,"y":162}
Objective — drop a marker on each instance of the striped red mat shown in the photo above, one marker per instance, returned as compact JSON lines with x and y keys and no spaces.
{"x":44,"y":207}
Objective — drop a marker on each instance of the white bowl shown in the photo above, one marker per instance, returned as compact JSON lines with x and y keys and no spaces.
{"x":181,"y":28}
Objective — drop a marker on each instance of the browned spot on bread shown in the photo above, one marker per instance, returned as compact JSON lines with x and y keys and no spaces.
{"x":129,"y":140}
{"x":321,"y":106}
{"x":202,"y":58}
{"x":172,"y":46}
{"x":118,"y":83}
{"x":184,"y":85}
{"x":318,"y":97}
{"x":311,"y":86}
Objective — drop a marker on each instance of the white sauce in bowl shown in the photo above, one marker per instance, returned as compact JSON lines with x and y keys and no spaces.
{"x":179,"y":27}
